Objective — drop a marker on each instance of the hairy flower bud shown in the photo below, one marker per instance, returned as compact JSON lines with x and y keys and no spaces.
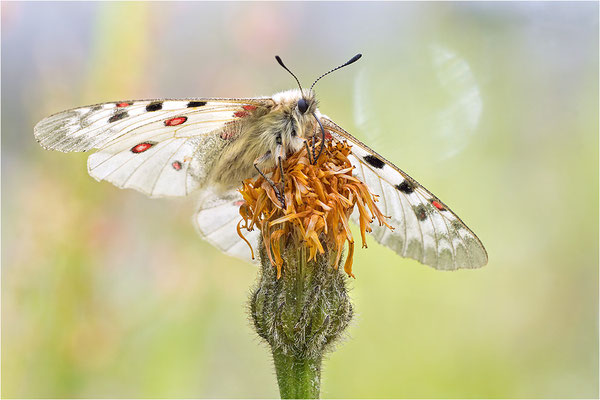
{"x":307,"y":309}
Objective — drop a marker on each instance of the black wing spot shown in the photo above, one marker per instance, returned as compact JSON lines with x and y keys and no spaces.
{"x":406,"y":187}
{"x":196,"y":104}
{"x":96,"y":108}
{"x":421,"y":212}
{"x":154,"y":106}
{"x":118,"y":116}
{"x":374,"y":161}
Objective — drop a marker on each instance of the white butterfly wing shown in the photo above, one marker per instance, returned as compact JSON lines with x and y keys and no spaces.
{"x":163,"y":148}
{"x":158,"y":147}
{"x":425,"y":228}
{"x":216,"y":221}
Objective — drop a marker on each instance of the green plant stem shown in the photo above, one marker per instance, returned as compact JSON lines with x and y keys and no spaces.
{"x":298,"y":378}
{"x":298,"y":375}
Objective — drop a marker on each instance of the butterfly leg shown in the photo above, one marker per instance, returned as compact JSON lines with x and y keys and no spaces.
{"x":307,"y":146}
{"x":322,"y":140}
{"x":282,"y":181}
{"x":278,"y":193}
{"x":280,"y":156}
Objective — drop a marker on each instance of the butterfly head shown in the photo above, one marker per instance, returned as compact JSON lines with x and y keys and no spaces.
{"x":302,"y":105}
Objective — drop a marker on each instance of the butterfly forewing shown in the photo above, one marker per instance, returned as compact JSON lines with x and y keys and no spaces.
{"x":158,"y":147}
{"x":425,"y":228}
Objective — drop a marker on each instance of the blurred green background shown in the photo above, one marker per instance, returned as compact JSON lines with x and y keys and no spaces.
{"x":492,"y":106}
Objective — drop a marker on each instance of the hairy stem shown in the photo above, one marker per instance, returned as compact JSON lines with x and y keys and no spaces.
{"x":298,"y":378}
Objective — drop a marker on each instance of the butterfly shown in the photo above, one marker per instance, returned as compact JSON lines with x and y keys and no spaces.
{"x":175,"y":147}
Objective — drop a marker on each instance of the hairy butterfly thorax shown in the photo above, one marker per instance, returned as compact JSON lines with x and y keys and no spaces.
{"x":273,"y":131}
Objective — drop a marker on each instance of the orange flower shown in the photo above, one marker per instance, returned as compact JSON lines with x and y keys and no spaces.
{"x":319,"y":200}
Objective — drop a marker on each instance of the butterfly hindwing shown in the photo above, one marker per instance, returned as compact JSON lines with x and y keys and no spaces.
{"x":216,"y":221}
{"x":159,"y":147}
{"x":425,"y":228}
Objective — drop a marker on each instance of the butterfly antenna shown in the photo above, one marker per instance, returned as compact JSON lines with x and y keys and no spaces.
{"x":287,"y":69}
{"x":352,"y":60}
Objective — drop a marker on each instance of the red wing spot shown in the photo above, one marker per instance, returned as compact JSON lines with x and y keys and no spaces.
{"x":328,"y":136}
{"x":124,"y":104}
{"x":240,"y":114}
{"x":226,"y":134}
{"x":175,"y":121}
{"x":249,"y":108}
{"x":177,"y":165}
{"x":141,"y":147}
{"x":438,"y":205}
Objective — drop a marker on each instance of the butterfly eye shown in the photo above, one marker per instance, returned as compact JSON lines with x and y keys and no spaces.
{"x":302,"y":106}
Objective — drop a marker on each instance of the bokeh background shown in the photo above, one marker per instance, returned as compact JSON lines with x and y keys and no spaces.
{"x":493,"y":106}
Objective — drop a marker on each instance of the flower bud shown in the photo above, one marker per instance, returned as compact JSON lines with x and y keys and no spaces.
{"x":302,"y":313}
